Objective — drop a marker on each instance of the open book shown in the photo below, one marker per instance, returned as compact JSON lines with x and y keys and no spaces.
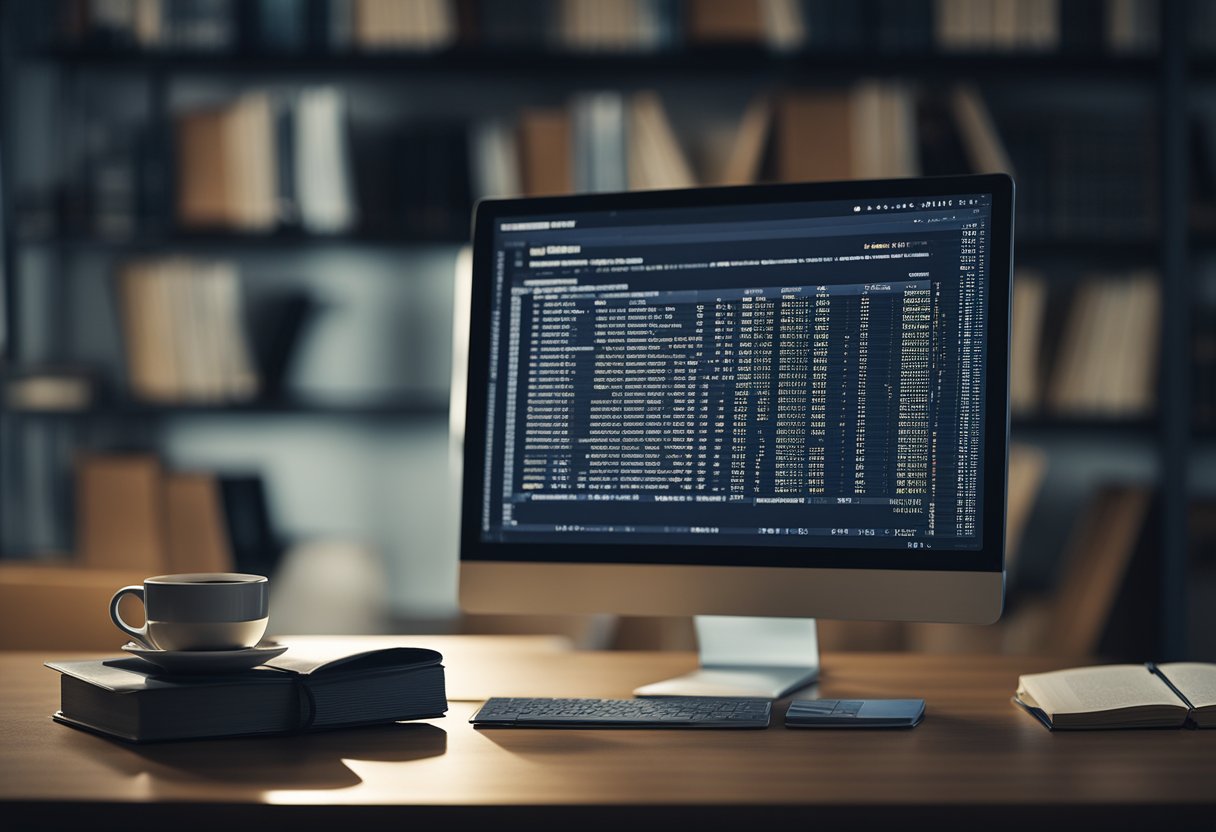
{"x":1122,"y":696}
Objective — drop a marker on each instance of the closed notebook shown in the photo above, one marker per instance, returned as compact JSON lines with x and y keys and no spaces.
{"x":1122,"y":696}
{"x":133,"y":700}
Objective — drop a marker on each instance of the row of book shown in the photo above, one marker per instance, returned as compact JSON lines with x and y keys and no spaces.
{"x":613,"y":25}
{"x":1115,"y":26}
{"x":263,"y":162}
{"x":1083,"y":173}
{"x":296,"y":159}
{"x":268,"y":162}
{"x":134,"y":514}
{"x":1096,"y":360}
{"x":184,"y":331}
{"x":607,"y":141}
{"x":272,"y":26}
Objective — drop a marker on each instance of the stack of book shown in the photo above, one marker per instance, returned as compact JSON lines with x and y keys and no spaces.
{"x":262,"y":162}
{"x":184,"y":331}
{"x":132,"y":700}
{"x":1106,"y":364}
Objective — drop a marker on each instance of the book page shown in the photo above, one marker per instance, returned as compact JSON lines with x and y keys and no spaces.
{"x":1088,"y":689}
{"x":1196,"y":680}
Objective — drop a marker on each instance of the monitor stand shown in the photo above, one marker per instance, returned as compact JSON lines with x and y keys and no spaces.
{"x":741,"y":656}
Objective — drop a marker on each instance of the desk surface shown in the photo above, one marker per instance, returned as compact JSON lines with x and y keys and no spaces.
{"x":974,"y":752}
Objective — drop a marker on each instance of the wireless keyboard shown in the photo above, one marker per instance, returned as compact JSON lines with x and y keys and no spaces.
{"x":664,"y":712}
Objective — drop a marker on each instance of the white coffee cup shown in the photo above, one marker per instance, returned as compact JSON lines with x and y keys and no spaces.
{"x":198,"y":611}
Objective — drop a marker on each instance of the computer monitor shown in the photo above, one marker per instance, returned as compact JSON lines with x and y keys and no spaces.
{"x":781,"y":401}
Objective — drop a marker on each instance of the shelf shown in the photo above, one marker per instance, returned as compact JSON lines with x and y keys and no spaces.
{"x":736,"y":63}
{"x":1089,"y":430}
{"x":224,"y":240}
{"x":413,"y":408}
{"x":1129,"y":250}
{"x":1120,"y":250}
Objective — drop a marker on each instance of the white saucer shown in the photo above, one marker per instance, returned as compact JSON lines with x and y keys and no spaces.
{"x":206,"y":661}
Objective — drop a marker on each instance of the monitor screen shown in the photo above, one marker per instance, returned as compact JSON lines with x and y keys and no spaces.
{"x":784,"y":375}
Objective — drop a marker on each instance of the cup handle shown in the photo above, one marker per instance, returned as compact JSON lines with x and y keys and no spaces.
{"x":140,"y":634}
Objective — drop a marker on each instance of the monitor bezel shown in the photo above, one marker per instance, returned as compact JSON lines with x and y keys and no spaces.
{"x":988,"y":558}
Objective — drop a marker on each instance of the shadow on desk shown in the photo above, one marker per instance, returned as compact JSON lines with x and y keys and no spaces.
{"x":301,"y":761}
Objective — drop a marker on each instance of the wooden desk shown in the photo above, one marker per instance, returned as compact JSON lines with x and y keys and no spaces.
{"x":975,"y":760}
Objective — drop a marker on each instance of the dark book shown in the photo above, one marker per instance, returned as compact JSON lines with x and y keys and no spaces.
{"x":255,"y":547}
{"x":515,"y":25}
{"x":1082,"y":26}
{"x":274,"y":25}
{"x":276,"y":324}
{"x":133,"y":700}
{"x":836,"y":25}
{"x":942,"y":152}
{"x":903,"y":25}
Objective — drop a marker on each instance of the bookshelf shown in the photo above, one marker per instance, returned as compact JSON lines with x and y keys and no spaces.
{"x":1163,"y":80}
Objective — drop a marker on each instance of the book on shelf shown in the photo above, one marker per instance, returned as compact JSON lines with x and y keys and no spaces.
{"x":416,"y":25}
{"x":865,"y":132}
{"x":251,"y":532}
{"x":184,"y":332}
{"x":49,"y":388}
{"x":263,"y":161}
{"x":1096,"y":562}
{"x":204,"y":25}
{"x":1147,"y":695}
{"x":133,"y":514}
{"x":514,"y":25}
{"x":896,"y":26}
{"x":1106,"y":364}
{"x":303,"y":689}
{"x":599,"y":127}
{"x":725,"y":21}
{"x":119,"y":512}
{"x":195,"y":529}
{"x":997,"y":25}
{"x":1026,"y":339}
{"x":227,"y":173}
{"x":412,"y":178}
{"x":545,"y":151}
{"x":320,"y":173}
{"x":1085,"y":171}
{"x":744,"y":163}
{"x":985,"y":150}
{"x":623,"y":25}
{"x":494,"y":167}
{"x":654,"y":155}
{"x":1027,"y":471}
